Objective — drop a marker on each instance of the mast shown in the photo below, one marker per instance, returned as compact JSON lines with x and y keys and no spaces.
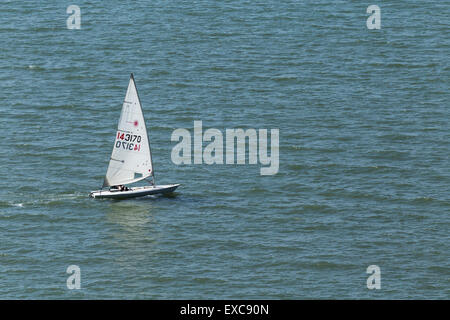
{"x":145,"y":126}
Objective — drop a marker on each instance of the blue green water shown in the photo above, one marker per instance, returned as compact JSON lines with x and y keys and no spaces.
{"x":364,"y":149}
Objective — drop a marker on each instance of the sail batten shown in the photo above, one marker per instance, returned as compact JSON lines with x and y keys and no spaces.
{"x":131,"y":157}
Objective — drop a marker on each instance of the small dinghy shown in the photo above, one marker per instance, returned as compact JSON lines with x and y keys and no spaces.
{"x":131,"y":158}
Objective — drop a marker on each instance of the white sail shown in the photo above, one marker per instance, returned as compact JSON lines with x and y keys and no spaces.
{"x":131,"y":159}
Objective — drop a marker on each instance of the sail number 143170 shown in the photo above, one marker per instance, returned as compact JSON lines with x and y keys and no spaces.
{"x":127,"y":141}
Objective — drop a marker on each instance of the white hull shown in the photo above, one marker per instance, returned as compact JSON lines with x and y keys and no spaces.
{"x":134,"y":192}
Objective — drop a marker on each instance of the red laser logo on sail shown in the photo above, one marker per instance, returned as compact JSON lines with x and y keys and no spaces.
{"x":136,"y":123}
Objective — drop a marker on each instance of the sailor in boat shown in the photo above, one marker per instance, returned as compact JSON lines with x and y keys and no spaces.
{"x":131,"y":161}
{"x":120,"y":187}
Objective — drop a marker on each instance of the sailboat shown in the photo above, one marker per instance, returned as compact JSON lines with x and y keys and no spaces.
{"x":131,"y":158}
